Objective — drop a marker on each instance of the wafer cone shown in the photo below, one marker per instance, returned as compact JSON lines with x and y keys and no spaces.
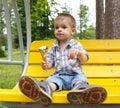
{"x":43,"y":51}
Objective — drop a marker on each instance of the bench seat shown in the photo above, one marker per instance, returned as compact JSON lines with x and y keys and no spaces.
{"x":14,"y":95}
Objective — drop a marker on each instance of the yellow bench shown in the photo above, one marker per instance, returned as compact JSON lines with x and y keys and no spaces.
{"x":103,"y":68}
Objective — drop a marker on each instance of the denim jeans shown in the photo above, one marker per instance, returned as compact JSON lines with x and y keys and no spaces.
{"x":65,"y":81}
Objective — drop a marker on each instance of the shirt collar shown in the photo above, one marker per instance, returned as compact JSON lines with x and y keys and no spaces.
{"x":69,"y":44}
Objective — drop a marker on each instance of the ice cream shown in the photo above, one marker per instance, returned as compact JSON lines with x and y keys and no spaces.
{"x":43,"y":51}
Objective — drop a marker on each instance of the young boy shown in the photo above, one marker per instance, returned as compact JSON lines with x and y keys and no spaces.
{"x":66,"y":56}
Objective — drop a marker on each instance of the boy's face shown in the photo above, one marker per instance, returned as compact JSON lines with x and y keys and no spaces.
{"x":63,"y":29}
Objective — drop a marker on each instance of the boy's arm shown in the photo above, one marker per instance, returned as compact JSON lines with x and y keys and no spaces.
{"x":81,"y":56}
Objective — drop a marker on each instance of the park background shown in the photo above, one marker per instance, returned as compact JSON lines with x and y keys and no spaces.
{"x":102,"y":23}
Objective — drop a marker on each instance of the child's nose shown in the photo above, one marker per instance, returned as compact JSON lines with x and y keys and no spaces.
{"x":59,"y":29}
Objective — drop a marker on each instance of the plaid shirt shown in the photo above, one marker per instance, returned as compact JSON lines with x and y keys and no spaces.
{"x":59,"y":59}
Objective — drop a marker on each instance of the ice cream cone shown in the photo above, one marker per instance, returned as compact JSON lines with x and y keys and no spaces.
{"x":43,"y":51}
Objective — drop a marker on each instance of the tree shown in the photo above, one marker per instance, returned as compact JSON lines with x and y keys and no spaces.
{"x":83,"y":19}
{"x":112,"y":19}
{"x":3,"y":40}
{"x":89,"y":33}
{"x":99,"y":19}
{"x":66,"y":9}
{"x":42,"y":19}
{"x":108,"y":22}
{"x":1,"y":23}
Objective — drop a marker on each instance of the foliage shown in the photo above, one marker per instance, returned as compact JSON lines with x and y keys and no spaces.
{"x":2,"y":26}
{"x":41,"y":20}
{"x":89,"y":33}
{"x":66,"y":9}
{"x":83,"y":14}
{"x":21,"y":10}
{"x":2,"y":53}
{"x":83,"y":17}
{"x":42,"y":15}
{"x":1,"y":106}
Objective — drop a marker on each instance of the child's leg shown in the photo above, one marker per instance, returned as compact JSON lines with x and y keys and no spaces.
{"x":53,"y":86}
{"x":82,"y":93}
{"x":39,"y":91}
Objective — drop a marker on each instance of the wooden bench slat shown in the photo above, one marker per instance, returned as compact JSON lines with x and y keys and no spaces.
{"x":111,"y":82}
{"x":101,"y":45}
{"x":35,"y":58}
{"x":104,"y":58}
{"x":105,"y":82}
{"x":88,"y":44}
{"x":37,"y":71}
{"x":37,"y":44}
{"x":94,"y":58}
{"x":14,"y":95}
{"x":102,"y":71}
{"x":97,"y":71}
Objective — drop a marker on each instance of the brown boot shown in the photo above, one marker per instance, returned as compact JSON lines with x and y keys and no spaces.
{"x":35,"y":90}
{"x":83,"y":93}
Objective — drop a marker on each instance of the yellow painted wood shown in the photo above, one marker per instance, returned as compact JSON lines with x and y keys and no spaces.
{"x":94,"y":58}
{"x":35,"y":58}
{"x":37,"y":71}
{"x":104,"y":58}
{"x":14,"y":95}
{"x":102,"y":71}
{"x":37,"y":44}
{"x":111,"y":82}
{"x":101,"y":44}
{"x":95,"y":71}
{"x":88,"y":44}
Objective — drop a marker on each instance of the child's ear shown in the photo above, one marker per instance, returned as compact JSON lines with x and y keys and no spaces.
{"x":73,"y":31}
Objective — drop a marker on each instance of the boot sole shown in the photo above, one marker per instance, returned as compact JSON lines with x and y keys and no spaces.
{"x":91,"y":95}
{"x":31,"y":89}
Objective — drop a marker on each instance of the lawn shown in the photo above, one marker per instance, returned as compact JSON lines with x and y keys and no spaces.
{"x":10,"y":74}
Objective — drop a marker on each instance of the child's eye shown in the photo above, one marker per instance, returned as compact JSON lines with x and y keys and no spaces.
{"x":64,"y":27}
{"x":56,"y":27}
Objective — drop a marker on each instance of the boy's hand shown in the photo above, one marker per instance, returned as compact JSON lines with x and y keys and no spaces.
{"x":73,"y":53}
{"x":45,"y":65}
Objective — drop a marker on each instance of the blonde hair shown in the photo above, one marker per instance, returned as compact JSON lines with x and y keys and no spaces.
{"x":72,"y":23}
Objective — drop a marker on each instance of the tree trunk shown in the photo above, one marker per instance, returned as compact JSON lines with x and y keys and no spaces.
{"x":99,"y":19}
{"x":112,"y":19}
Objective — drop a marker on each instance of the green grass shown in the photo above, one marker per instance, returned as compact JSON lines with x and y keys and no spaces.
{"x":10,"y":74}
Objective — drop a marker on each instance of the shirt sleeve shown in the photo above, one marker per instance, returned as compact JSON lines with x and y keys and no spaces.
{"x":50,"y":56}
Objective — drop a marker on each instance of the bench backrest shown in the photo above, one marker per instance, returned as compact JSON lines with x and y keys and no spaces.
{"x":104,"y":60}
